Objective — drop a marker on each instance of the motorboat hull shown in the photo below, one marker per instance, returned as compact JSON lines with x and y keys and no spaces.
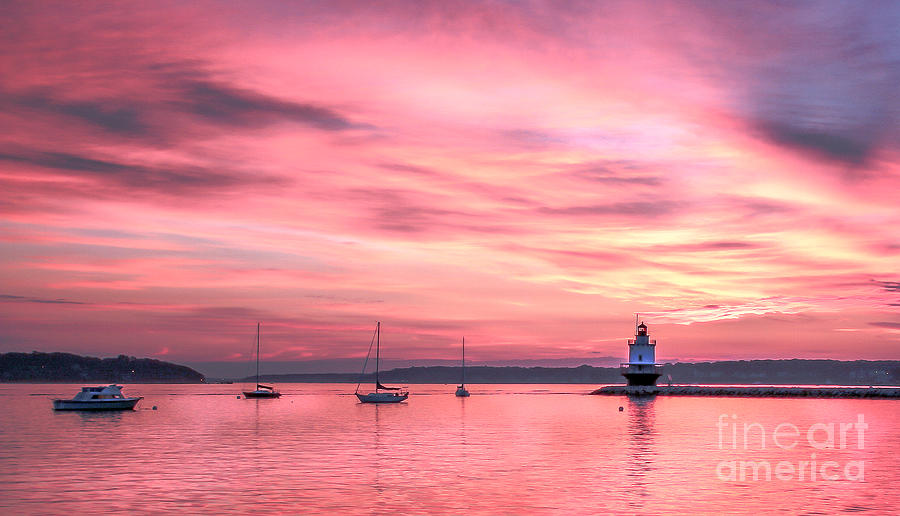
{"x":381,"y":397}
{"x":113,"y":404}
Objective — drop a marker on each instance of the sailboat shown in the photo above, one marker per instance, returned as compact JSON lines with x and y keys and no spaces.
{"x":461,"y":390}
{"x":262,"y":391}
{"x":382,"y":394}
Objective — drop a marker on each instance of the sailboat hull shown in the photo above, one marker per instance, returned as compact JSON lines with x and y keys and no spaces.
{"x":462,"y":392}
{"x":382,"y":397}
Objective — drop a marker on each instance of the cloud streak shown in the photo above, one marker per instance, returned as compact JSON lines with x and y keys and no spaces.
{"x":134,"y":177}
{"x":24,"y":299}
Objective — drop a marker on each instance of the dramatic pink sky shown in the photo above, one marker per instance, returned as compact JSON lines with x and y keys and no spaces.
{"x":526,"y":174}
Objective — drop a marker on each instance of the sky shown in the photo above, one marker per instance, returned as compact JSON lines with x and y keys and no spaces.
{"x":528,"y":175}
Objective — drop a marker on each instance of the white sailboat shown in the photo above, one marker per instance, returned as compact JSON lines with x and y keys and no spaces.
{"x":382,"y":394}
{"x":262,"y":391}
{"x":461,"y":391}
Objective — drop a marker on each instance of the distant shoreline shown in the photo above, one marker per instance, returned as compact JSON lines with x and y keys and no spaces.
{"x":67,"y":368}
{"x":749,"y":372}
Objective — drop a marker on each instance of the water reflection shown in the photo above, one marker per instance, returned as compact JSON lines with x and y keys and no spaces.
{"x":462,"y":452}
{"x":462,"y":421}
{"x":256,"y":419}
{"x":509,"y":451}
{"x":384,"y":447}
{"x":91,"y":416}
{"x":641,"y":447}
{"x":379,"y":450}
{"x":102,"y":417}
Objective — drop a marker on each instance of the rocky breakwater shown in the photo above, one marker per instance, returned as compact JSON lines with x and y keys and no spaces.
{"x":751,"y":391}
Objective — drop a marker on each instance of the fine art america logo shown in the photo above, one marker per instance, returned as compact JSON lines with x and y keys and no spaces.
{"x":827,"y":437}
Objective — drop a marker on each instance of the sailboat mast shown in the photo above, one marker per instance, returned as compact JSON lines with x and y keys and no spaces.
{"x":377,"y":352}
{"x":464,"y":361}
{"x":257,"y":355}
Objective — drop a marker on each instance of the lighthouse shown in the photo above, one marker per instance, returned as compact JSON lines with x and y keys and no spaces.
{"x":641,"y":368}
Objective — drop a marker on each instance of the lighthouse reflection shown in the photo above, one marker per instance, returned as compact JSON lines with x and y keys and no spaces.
{"x":641,"y":447}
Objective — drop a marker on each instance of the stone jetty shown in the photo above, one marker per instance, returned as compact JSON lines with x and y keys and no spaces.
{"x":750,"y":391}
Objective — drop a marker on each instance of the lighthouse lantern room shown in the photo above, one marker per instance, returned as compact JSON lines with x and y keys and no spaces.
{"x":641,"y":368}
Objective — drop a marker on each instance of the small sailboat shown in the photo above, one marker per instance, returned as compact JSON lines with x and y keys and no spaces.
{"x":461,"y":391}
{"x":262,"y":391}
{"x":382,"y":394}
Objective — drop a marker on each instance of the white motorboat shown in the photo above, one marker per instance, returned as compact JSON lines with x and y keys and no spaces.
{"x":98,"y":398}
{"x":382,"y":394}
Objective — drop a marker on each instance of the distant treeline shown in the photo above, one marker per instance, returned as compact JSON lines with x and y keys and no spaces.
{"x":66,"y":367}
{"x":787,"y":372}
{"x":777,"y":372}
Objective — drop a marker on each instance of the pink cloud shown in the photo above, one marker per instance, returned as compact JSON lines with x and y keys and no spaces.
{"x":527,"y":175}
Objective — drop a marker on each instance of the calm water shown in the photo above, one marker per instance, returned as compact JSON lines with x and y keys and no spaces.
{"x":535,"y":449}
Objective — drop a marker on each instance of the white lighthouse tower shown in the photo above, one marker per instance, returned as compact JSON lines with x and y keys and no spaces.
{"x":641,"y":368}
